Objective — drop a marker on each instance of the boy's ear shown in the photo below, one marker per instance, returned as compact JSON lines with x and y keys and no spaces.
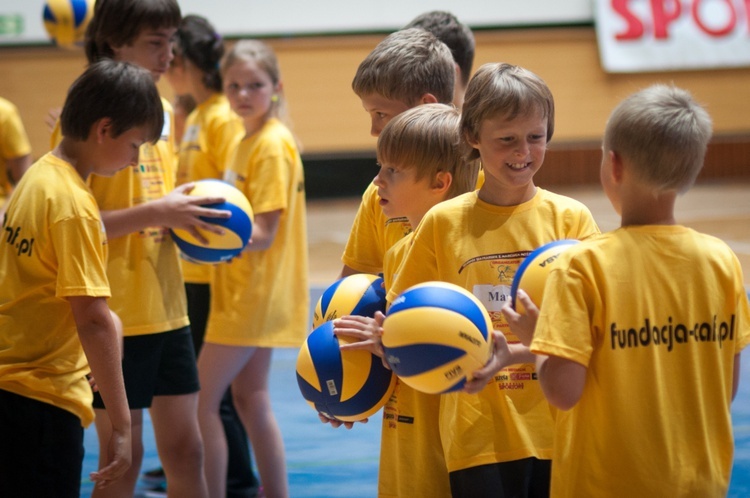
{"x":442,"y":182}
{"x":101,"y":128}
{"x":428,"y":98}
{"x":617,"y":166}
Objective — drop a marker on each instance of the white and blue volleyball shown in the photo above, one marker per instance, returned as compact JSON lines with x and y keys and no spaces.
{"x":66,"y":20}
{"x":534,"y":269}
{"x":237,"y":228}
{"x":360,"y":294}
{"x":435,"y":335}
{"x":343,"y":385}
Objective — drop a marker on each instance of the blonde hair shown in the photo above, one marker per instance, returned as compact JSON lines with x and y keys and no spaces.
{"x":406,"y":65}
{"x":260,"y":53}
{"x":499,"y":89}
{"x":427,"y":138}
{"x":663,"y":133}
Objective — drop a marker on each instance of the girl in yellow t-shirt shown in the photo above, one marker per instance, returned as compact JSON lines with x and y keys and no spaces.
{"x":259,"y":300}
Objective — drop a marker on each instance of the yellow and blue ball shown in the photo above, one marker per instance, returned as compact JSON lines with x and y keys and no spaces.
{"x":237,"y":228}
{"x":534,"y":269}
{"x":359,"y":294}
{"x":344,"y":385}
{"x":435,"y":335}
{"x":66,"y":20}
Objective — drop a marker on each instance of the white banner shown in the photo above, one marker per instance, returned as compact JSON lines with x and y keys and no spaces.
{"x":659,"y":35}
{"x":21,"y":20}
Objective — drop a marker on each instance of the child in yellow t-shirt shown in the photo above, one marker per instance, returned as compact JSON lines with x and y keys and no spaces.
{"x":408,"y":68}
{"x":641,"y":329}
{"x":15,"y":150}
{"x":55,"y":324}
{"x":421,"y":164}
{"x":500,"y":438}
{"x":259,"y":300}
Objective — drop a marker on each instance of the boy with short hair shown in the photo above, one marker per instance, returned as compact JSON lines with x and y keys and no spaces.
{"x":408,"y":68}
{"x":421,"y":164}
{"x":499,"y":441}
{"x":640,"y":330}
{"x":54,"y":289}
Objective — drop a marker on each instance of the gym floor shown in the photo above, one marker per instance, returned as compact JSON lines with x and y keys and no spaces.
{"x":328,"y":463}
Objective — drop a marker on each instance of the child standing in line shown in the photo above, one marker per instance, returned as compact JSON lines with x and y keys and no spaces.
{"x":139,"y":205}
{"x":408,"y":68}
{"x":210,"y":133}
{"x":260,"y":299}
{"x":55,"y":324}
{"x":15,"y":150}
{"x":421,"y":164}
{"x":641,"y":329}
{"x":500,"y":440}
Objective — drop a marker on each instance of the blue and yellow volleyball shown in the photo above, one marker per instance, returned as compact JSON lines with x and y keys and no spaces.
{"x":534,"y":269}
{"x":435,"y":336}
{"x":344,"y":385}
{"x":359,"y":294}
{"x":237,"y":228}
{"x":66,"y":20}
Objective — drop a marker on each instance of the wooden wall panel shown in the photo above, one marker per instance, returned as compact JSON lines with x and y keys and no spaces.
{"x":329,"y":119}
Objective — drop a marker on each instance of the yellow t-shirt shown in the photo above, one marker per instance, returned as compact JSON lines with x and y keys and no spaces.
{"x":13,"y":143}
{"x":261,"y":298}
{"x":372,"y":234}
{"x":53,"y":246}
{"x":212,"y":130}
{"x":148,"y":291}
{"x":479,"y":247}
{"x":657,"y":315}
{"x":411,"y":455}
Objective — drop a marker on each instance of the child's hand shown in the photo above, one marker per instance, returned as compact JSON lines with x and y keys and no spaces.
{"x":119,"y":453}
{"x":180,"y":210}
{"x":499,"y":359}
{"x":522,"y":325}
{"x":338,"y":423}
{"x":366,"y":332}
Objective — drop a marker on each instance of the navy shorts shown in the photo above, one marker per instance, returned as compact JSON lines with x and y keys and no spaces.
{"x":41,"y":448}
{"x":160,"y":364}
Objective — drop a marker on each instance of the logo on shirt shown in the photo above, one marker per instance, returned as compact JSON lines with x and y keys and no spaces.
{"x":669,"y":334}
{"x":22,"y":245}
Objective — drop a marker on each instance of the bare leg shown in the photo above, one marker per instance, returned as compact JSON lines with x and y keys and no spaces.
{"x":217,"y":366}
{"x":253,"y":403}
{"x":179,"y":444}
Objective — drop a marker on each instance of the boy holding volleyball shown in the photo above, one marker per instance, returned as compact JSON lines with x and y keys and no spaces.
{"x":53,"y":298}
{"x":421,"y":164}
{"x":640,"y":329}
{"x":499,"y":440}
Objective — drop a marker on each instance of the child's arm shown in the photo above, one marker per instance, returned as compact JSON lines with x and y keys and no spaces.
{"x":177,"y":209}
{"x":101,"y":344}
{"x":366,"y":333}
{"x":562,"y":380}
{"x":522,"y":325}
{"x":503,"y":355}
{"x":265,"y":226}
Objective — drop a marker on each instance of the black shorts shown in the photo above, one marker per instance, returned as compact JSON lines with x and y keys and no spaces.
{"x":41,"y":448}
{"x":157,"y":365}
{"x":526,"y":478}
